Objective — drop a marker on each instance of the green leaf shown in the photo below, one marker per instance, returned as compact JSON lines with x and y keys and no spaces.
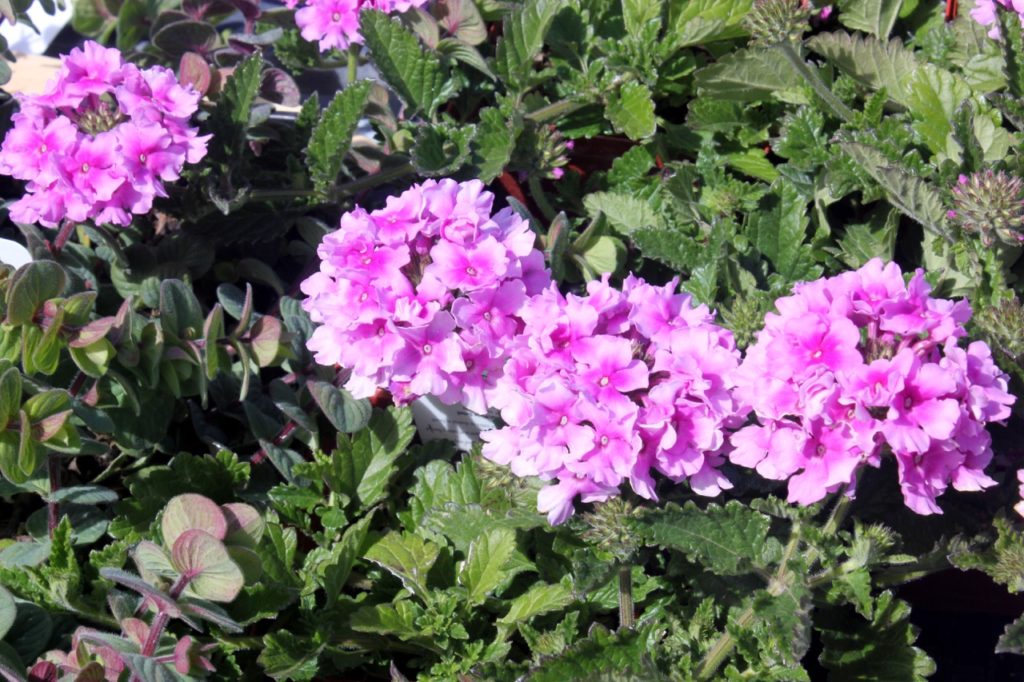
{"x":624,"y":212}
{"x":332,"y":565}
{"x":493,"y":144}
{"x":879,"y":649}
{"x":538,"y":600}
{"x":361,"y":468}
{"x":346,"y":413}
{"x":702,"y":21}
{"x":406,"y":556}
{"x":606,"y":254}
{"x":778,"y":230}
{"x":630,"y":110}
{"x":133,"y":17}
{"x":727,"y":540}
{"x":871,"y":62}
{"x":749,"y":75}
{"x":10,"y":396}
{"x":398,"y":619}
{"x":1012,"y":44}
{"x":229,"y":120}
{"x":622,"y":656}
{"x":913,"y":196}
{"x":31,"y":286}
{"x":287,"y":656}
{"x":408,"y":67}
{"x":8,"y":611}
{"x":180,"y":312}
{"x":437,"y":484}
{"x":871,"y":16}
{"x":330,"y":139}
{"x":483,"y":571}
{"x":1010,"y":642}
{"x":935,"y":95}
{"x":875,"y":239}
{"x":523,"y":33}
{"x":442,"y":149}
{"x":203,"y":558}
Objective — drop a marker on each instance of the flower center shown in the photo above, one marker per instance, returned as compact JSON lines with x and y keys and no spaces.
{"x":487,"y":316}
{"x":367,"y":261}
{"x":816,"y":354}
{"x":85,"y":168}
{"x":427,"y":348}
{"x":142,"y":158}
{"x":380,"y":332}
{"x":604,"y":440}
{"x":563,"y":421}
{"x":336,"y":17}
{"x":820,"y":449}
{"x":42,"y":148}
{"x":471,"y":271}
{"x":907,"y":403}
{"x":603,"y":381}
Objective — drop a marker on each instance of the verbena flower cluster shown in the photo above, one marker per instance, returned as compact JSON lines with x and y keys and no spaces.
{"x":334,"y":24}
{"x":611,"y":387}
{"x":986,"y":13}
{"x":101,"y":140}
{"x":861,"y":359}
{"x":422,"y":296}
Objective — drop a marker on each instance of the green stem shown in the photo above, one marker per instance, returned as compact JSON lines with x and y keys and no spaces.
{"x":627,"y":617}
{"x":540,"y":198}
{"x":353,"y":63}
{"x":725,"y":643}
{"x":831,"y":101}
{"x":553,"y":111}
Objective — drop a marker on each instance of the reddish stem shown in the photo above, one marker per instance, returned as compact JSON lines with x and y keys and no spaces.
{"x":66,"y":229}
{"x":53,"y":507}
{"x":280,"y":438}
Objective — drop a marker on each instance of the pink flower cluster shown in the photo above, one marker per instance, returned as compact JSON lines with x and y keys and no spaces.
{"x":334,"y":24}
{"x":101,"y":140}
{"x":985,"y":12}
{"x":861,"y":359}
{"x":422,"y":296}
{"x":611,"y":387}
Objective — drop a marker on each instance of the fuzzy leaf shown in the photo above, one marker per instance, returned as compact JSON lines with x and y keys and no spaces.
{"x":8,"y":611}
{"x":1010,"y":642}
{"x":406,"y":66}
{"x":484,"y":568}
{"x":442,"y":149}
{"x":779,"y":230}
{"x":625,"y":213}
{"x":871,"y":16}
{"x":871,"y":62}
{"x":30,"y":286}
{"x":230,"y":118}
{"x":631,"y":111}
{"x":537,"y":600}
{"x":725,"y":540}
{"x":493,"y":144}
{"x":522,"y":37}
{"x":935,"y":95}
{"x":749,"y":75}
{"x":408,"y":557}
{"x":330,"y":139}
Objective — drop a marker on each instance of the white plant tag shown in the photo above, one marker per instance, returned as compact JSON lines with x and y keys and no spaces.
{"x":437,"y":421}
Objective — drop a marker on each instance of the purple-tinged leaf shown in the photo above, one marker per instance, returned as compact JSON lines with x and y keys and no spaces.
{"x":191,"y":512}
{"x":206,"y":563}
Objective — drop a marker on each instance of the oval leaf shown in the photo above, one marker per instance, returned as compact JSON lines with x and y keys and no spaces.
{"x":204,"y":560}
{"x":192,"y":512}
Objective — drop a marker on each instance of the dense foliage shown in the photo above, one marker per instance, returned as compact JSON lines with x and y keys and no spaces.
{"x":736,"y":282}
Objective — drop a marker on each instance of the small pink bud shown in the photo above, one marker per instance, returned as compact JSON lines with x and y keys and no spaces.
{"x":557,"y":173}
{"x":825,"y":12}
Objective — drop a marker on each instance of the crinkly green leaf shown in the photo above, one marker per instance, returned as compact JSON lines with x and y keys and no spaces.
{"x":727,"y":540}
{"x":625,"y":213}
{"x":623,"y":655}
{"x":631,"y":110}
{"x":935,"y":94}
{"x":330,"y":139}
{"x":437,"y":484}
{"x":523,"y":33}
{"x":779,"y":229}
{"x":1012,"y":639}
{"x":871,"y":16}
{"x":539,"y":599}
{"x":229,"y":121}
{"x":287,"y":656}
{"x":331,"y":566}
{"x":398,"y":619}
{"x":442,"y":149}
{"x":412,"y":70}
{"x":749,"y":75}
{"x":493,"y":143}
{"x":871,"y":62}
{"x":406,"y":556}
{"x":484,"y":569}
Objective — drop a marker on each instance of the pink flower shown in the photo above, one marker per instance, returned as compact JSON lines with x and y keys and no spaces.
{"x":859,"y":360}
{"x":102,"y":140}
{"x":332,"y":24}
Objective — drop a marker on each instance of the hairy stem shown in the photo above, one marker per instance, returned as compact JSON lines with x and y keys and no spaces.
{"x":627,"y":618}
{"x":63,"y":235}
{"x":161,"y":620}
{"x":831,"y":101}
{"x":554,"y":111}
{"x":540,"y":198}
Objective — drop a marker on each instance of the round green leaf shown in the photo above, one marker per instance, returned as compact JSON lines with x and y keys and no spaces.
{"x":245,"y":524}
{"x":205,"y":561}
{"x":153,"y":562}
{"x":88,"y":523}
{"x":188,"y":512}
{"x":8,"y":611}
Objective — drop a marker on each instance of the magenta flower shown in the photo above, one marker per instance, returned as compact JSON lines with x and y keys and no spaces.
{"x":468,"y":268}
{"x":332,"y":24}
